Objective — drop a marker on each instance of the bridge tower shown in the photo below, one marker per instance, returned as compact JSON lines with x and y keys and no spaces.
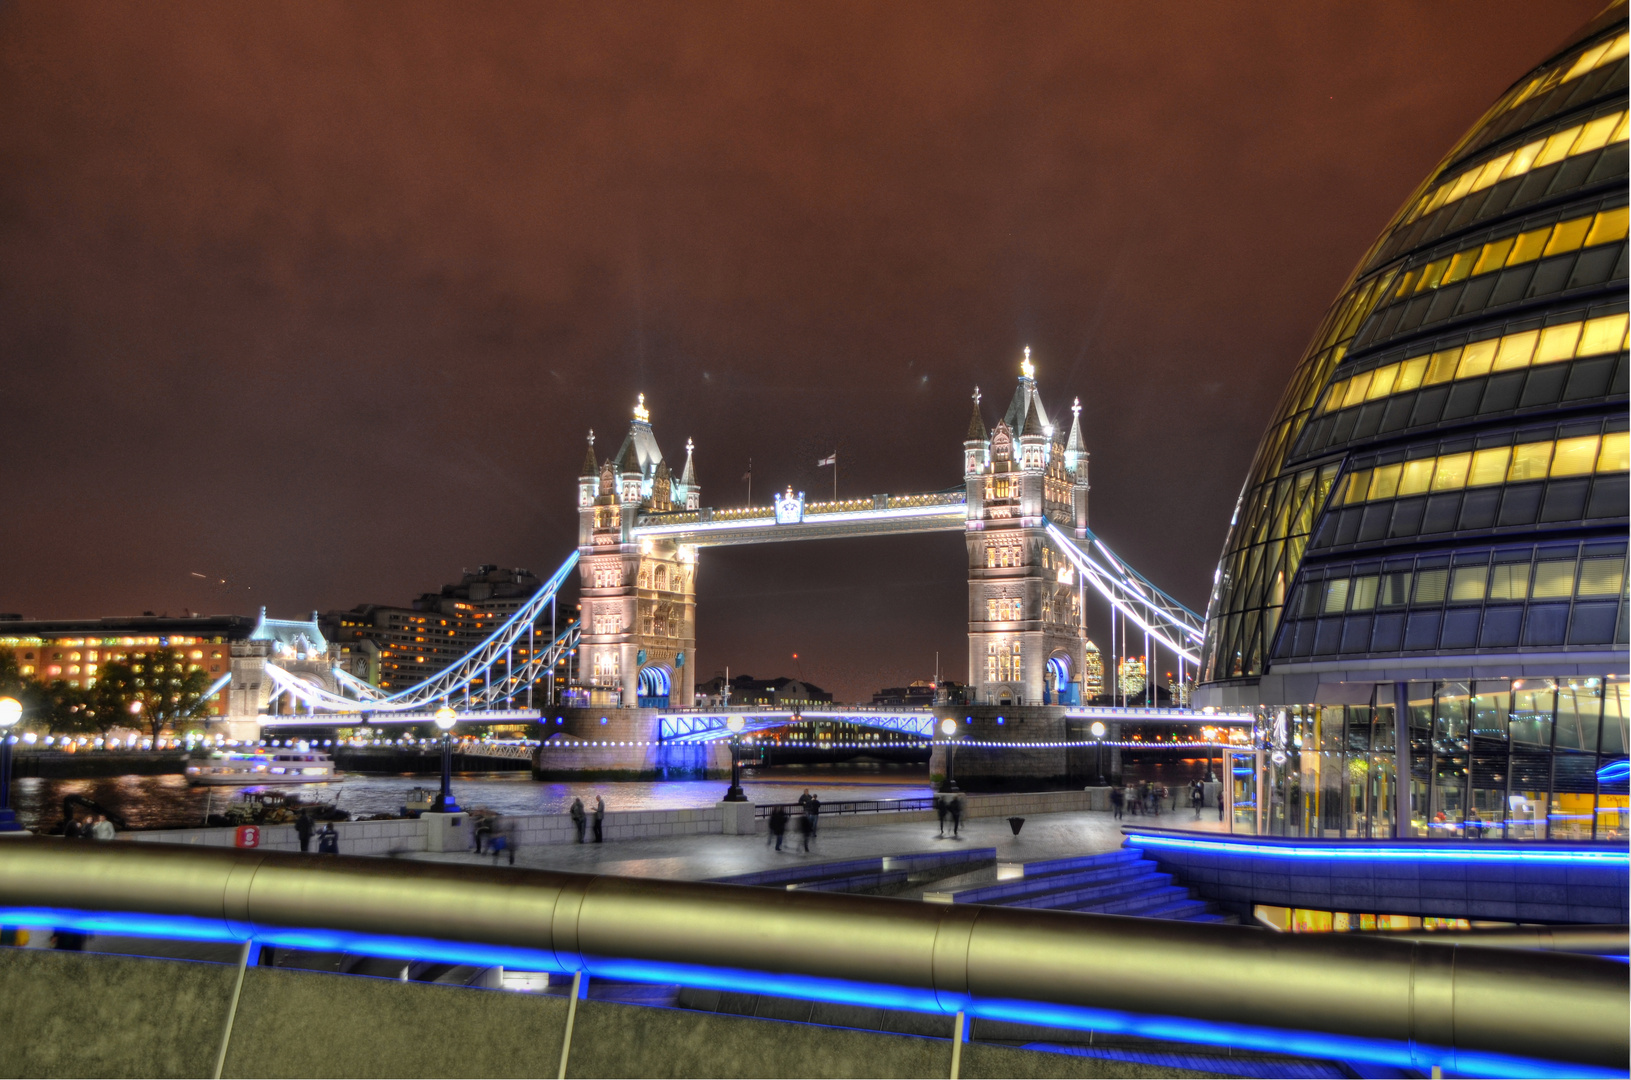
{"x":638,"y":594}
{"x":1026,"y":630}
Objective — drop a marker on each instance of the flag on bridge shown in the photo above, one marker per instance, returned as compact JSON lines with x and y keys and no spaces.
{"x":830,"y":460}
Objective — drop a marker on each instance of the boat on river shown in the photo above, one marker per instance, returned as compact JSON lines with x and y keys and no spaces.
{"x":225,"y":768}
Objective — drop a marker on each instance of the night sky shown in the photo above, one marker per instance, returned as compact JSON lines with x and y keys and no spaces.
{"x":320,"y":299}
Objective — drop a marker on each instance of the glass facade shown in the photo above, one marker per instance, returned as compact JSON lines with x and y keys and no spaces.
{"x":1438,"y":512}
{"x":1484,"y":759}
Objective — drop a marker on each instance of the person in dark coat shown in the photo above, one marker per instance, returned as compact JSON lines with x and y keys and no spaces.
{"x":303,"y":829}
{"x":813,"y":809}
{"x":956,"y":814}
{"x":1116,"y":800}
{"x":1197,"y":797}
{"x":778,"y":825}
{"x":806,"y":828}
{"x":600,"y":816}
{"x":328,"y":841}
{"x":578,"y":818}
{"x":940,"y":812}
{"x":498,"y":841}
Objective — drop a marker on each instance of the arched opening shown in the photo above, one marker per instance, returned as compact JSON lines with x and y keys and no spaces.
{"x":655,"y":682}
{"x":1058,"y":687}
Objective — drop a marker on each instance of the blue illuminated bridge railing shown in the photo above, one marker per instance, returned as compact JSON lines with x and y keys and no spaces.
{"x":707,"y":725}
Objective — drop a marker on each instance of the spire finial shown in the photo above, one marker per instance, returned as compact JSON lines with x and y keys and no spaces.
{"x":689,"y":445}
{"x":591,"y":436}
{"x":976,"y":397}
{"x":641,"y":413}
{"x":1076,"y":407}
{"x":1027,"y":368}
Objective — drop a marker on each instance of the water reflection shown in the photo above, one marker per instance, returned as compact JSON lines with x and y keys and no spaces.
{"x":150,"y":802}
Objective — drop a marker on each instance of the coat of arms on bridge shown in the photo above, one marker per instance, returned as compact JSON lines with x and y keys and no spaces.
{"x":789,"y":508}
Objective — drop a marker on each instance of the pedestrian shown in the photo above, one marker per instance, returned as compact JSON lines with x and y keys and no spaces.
{"x":328,"y":841}
{"x":577,"y":818}
{"x":940,"y":810}
{"x":806,"y":828}
{"x":806,"y":797}
{"x":71,"y":828}
{"x":778,"y":825}
{"x":1174,"y":793}
{"x":813,"y":808}
{"x":102,"y":829}
{"x":1197,"y":797}
{"x":1220,"y":802}
{"x":498,"y":842}
{"x":600,"y":816}
{"x":483,"y":830}
{"x":1132,"y":800}
{"x":956,"y":810}
{"x":1117,"y":798}
{"x":303,"y":829}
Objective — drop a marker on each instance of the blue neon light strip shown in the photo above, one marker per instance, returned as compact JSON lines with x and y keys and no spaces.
{"x":1615,"y":772}
{"x":1412,"y":853}
{"x":807,"y":988}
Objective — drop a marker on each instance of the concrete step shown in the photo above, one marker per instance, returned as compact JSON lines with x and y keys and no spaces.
{"x":1008,"y":892}
{"x":1137,"y":903}
{"x":1071,"y":895}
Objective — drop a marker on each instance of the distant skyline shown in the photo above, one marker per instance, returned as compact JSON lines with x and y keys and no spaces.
{"x":322,"y":300}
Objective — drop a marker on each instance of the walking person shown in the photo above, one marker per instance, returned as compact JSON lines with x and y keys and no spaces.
{"x":940,"y":810}
{"x":1197,"y":797}
{"x":498,"y":842}
{"x":1117,"y":798}
{"x":956,"y":814}
{"x":1220,"y":802}
{"x":303,"y":829}
{"x":778,"y":825}
{"x":806,"y":828}
{"x":578,"y":818}
{"x":600,"y":816}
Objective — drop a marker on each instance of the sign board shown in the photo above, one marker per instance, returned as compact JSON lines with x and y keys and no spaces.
{"x":248,"y":836}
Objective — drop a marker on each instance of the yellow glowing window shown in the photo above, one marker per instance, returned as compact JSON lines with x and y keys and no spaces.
{"x":1362,"y":597}
{"x":1381,"y":382}
{"x":1556,"y":343}
{"x":1492,"y":256}
{"x":1384,"y":483}
{"x":1511,"y":351}
{"x":1430,"y":586}
{"x":1410,"y":374}
{"x":1442,"y":366}
{"x":1407,"y":283}
{"x":1357,"y":385}
{"x":1417,"y":477}
{"x":1607,"y":227}
{"x":1616,"y":452}
{"x":1601,"y":577}
{"x":1568,"y":236}
{"x":1604,"y":335}
{"x":1509,"y":582}
{"x":1529,"y":246}
{"x":1489,"y":466}
{"x":1556,"y":147}
{"x":1451,"y":472}
{"x":1477,"y":358}
{"x":1553,"y":579}
{"x":1430,"y":277}
{"x":1336,"y":595}
{"x":1529,"y":461}
{"x":1575,"y":457}
{"x":1358,"y":485}
{"x":1596,"y":134}
{"x":1467,"y":583}
{"x":1460,"y":267}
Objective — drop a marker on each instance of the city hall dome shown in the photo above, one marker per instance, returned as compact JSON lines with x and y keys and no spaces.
{"x":1442,"y":492}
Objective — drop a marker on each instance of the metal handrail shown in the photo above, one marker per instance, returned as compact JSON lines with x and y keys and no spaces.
{"x":1434,"y":1004}
{"x":852,"y":806}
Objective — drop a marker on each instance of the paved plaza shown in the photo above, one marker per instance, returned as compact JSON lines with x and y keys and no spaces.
{"x":697,"y":858}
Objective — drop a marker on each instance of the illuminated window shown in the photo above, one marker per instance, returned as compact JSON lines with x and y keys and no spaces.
{"x":1467,"y":583}
{"x":1530,"y":348}
{"x":1601,"y":577}
{"x":1577,"y":456}
{"x":1553,"y":578}
{"x":1509,"y":582}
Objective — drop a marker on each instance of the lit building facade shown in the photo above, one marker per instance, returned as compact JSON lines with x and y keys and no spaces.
{"x":639,"y":596}
{"x":1026,"y":635}
{"x":1423,"y":590}
{"x":75,"y":650}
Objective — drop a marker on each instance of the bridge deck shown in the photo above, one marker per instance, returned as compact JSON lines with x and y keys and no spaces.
{"x":879,"y":515}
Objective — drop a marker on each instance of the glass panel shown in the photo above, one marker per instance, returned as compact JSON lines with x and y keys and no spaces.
{"x":1384,"y":483}
{"x":1417,"y":477}
{"x":1532,"y":712}
{"x":1485,"y":815}
{"x":1395,"y":589}
{"x":1604,"y":335}
{"x":1430,"y":586}
{"x":1554,"y":578}
{"x":1336,"y":594}
{"x":1451,"y":471}
{"x":1509,"y":581}
{"x":1468,"y":583}
{"x":1529,"y":461}
{"x":1362,"y":597}
{"x":1515,"y":351}
{"x":1601,"y":577}
{"x":1575,"y":457}
{"x":1489,"y":466}
{"x":1616,"y":453}
{"x":1579,"y":705}
{"x":1530,"y":796}
{"x":1449,"y":797}
{"x":1616,"y":709}
{"x":1450,"y":728}
{"x":1489,"y":711}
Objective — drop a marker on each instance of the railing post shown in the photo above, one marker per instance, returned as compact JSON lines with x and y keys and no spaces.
{"x":580,"y":988}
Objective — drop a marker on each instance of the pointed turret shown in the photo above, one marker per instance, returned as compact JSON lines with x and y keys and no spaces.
{"x":976,"y":423}
{"x":690,"y":491}
{"x":1073,"y":447}
{"x":591,"y":467}
{"x":976,"y":444}
{"x":1033,"y":423}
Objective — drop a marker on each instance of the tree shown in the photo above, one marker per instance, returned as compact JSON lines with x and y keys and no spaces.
{"x":107,"y":703}
{"x":64,"y":708}
{"x":168,"y":687}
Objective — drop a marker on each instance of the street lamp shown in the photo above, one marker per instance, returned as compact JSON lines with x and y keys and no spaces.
{"x":735,"y":794}
{"x":445,"y":802}
{"x":1098,"y":750}
{"x":11,"y":710}
{"x":948,"y":728}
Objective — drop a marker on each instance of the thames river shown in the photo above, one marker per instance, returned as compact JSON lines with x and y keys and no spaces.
{"x":152,"y":802}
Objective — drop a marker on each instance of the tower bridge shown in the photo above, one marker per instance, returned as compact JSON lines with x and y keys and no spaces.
{"x":1022,"y":506}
